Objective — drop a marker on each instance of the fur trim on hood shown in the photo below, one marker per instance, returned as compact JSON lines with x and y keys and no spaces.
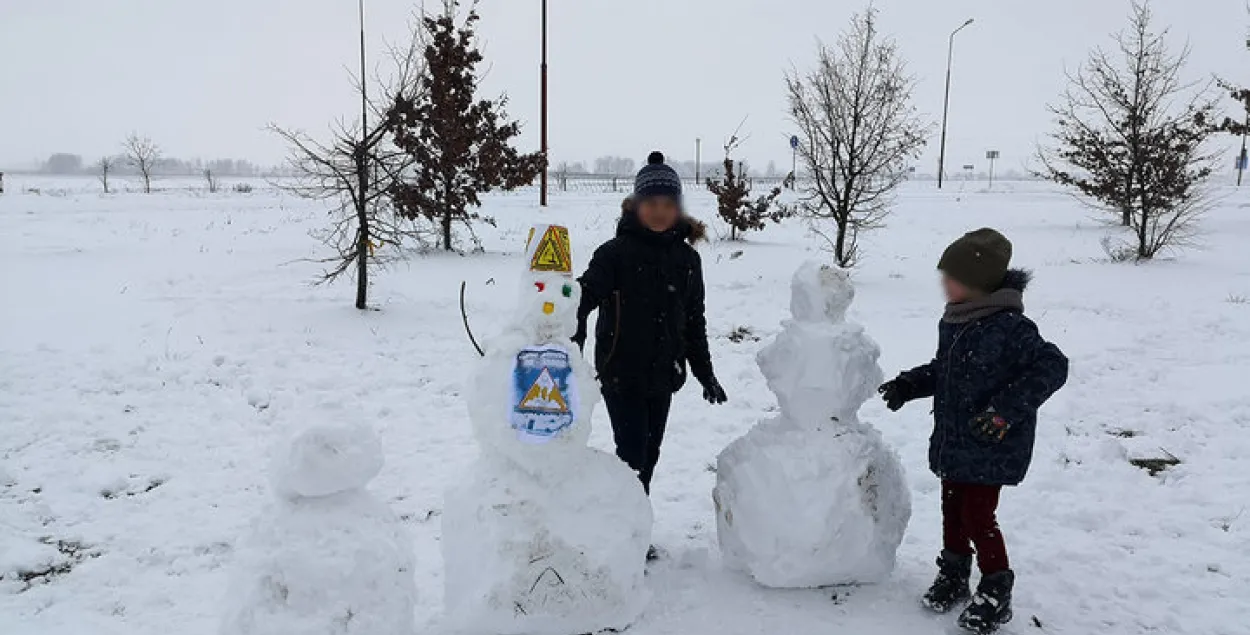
{"x":691,"y":229}
{"x":1017,"y":279}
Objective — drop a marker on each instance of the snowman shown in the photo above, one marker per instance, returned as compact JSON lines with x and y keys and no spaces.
{"x":814,"y":497}
{"x":544,"y":535}
{"x":326,"y":557}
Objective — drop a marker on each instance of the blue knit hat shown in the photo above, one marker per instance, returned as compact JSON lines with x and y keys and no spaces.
{"x":657,"y":179}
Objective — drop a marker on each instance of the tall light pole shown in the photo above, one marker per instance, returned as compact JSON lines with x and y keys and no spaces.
{"x":542,"y":191}
{"x":946,"y":102}
{"x":698,"y":159}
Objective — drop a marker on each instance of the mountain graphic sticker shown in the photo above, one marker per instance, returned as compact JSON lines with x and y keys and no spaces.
{"x":544,"y":395}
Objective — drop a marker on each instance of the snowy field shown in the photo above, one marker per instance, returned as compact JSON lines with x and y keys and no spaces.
{"x":152,"y":349}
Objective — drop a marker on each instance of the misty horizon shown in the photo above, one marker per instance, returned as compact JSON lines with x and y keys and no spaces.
{"x":203,"y":82}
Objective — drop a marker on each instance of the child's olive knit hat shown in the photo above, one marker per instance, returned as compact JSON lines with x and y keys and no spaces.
{"x":978,"y":259}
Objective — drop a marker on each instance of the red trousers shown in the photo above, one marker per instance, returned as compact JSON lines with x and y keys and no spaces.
{"x":969,"y":525}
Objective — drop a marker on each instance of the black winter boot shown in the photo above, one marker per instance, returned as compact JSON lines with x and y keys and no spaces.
{"x":951,"y":585}
{"x":991,"y":606}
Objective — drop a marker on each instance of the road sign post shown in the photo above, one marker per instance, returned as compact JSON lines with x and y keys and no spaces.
{"x":992,"y":155}
{"x":1243,"y":163}
{"x":794,"y":160}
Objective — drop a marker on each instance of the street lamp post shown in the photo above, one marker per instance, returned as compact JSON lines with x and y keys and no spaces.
{"x":698,"y":159}
{"x":946,"y":102}
{"x":542,"y":190}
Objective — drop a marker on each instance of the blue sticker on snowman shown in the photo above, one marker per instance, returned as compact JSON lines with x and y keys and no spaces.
{"x":543,"y":393}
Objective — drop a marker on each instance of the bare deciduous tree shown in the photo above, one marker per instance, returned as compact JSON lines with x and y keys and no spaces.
{"x":355,"y":171}
{"x":142,"y":153}
{"x":211,"y":181}
{"x":857,"y":131}
{"x":1131,"y":136}
{"x":105,"y":165}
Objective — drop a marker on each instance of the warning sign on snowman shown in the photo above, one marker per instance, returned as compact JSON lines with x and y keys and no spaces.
{"x":551,"y":252}
{"x":543,"y":393}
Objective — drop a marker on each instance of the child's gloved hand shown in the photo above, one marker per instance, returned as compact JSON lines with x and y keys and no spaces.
{"x":990,"y":426}
{"x":579,"y":337}
{"x":896,"y":392}
{"x":713,"y":392}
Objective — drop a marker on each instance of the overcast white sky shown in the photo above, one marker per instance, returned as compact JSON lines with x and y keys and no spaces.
{"x":203,"y":77}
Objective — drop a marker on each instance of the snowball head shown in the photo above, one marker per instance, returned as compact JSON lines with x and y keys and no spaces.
{"x":546,"y":555}
{"x":549,"y":295}
{"x":801,"y":509}
{"x":327,"y":459}
{"x":547,"y":306}
{"x":820,"y":293}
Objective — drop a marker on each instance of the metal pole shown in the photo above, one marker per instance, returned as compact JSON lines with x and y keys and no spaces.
{"x":991,"y":173}
{"x":698,"y":159}
{"x":946,"y":101}
{"x":542,"y":192}
{"x":364,"y":99}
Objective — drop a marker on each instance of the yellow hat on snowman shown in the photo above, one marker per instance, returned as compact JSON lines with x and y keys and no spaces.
{"x":547,"y":250}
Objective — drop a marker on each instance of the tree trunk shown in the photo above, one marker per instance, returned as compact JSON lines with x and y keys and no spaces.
{"x":447,"y":230}
{"x":839,"y":246}
{"x":362,"y":258}
{"x":363,"y":241}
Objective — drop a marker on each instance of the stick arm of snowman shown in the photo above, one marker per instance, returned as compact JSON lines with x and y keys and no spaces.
{"x":464,"y":315}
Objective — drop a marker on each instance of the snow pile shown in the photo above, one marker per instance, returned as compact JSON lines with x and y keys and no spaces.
{"x":326,"y":557}
{"x":544,"y":535}
{"x":814,"y":497}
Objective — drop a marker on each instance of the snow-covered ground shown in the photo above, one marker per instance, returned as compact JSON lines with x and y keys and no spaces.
{"x":153,"y":348}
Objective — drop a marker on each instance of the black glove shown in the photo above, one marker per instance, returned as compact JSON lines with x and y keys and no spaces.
{"x":990,"y":426}
{"x":713,"y":392}
{"x":579,"y":337}
{"x":896,"y":392}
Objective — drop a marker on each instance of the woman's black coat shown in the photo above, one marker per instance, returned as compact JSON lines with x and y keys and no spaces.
{"x":649,"y":290}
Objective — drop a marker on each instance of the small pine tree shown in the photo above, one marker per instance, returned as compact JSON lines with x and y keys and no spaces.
{"x":459,"y":145}
{"x":733,"y":198}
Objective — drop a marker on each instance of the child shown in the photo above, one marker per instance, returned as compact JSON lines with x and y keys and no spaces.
{"x":647,"y":283}
{"x":991,"y":374}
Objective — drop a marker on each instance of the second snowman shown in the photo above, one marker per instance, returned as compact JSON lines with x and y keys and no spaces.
{"x":814,"y":497}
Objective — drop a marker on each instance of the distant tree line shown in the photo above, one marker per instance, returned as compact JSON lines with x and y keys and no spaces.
{"x":68,"y":164}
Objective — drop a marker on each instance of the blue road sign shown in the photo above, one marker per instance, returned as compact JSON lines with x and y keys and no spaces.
{"x":794,"y":142}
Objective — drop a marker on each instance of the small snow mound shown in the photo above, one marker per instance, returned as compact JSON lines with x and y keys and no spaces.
{"x":327,"y":459}
{"x":339,"y":564}
{"x":820,"y":293}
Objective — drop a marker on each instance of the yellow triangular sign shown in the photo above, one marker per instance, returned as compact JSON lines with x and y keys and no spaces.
{"x":544,"y":395}
{"x":552,"y":252}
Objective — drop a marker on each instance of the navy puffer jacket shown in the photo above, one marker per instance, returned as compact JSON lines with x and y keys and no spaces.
{"x":1000,"y":362}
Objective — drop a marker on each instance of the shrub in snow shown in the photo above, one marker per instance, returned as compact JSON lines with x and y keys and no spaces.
{"x":544,"y":535}
{"x":326,"y":557}
{"x":814,"y":497}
